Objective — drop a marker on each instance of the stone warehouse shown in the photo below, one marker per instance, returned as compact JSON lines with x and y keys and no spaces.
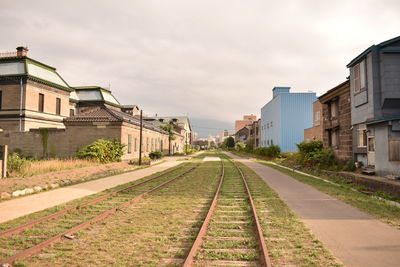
{"x":41,"y":115}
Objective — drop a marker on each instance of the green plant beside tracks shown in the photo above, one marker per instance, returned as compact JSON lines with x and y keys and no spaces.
{"x":156,"y":155}
{"x":102,"y":150}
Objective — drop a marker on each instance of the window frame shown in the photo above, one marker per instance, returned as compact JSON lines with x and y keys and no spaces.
{"x":359,"y":80}
{"x":129,"y":147}
{"x":362,"y":136}
{"x":58,"y":106}
{"x":41,"y":103}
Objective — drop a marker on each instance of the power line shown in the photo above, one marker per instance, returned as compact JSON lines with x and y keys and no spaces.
{"x":212,"y":128}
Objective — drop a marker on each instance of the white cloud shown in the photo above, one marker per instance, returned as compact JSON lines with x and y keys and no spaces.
{"x":209,"y":59}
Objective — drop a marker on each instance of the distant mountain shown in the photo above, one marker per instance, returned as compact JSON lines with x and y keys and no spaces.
{"x":206,"y":127}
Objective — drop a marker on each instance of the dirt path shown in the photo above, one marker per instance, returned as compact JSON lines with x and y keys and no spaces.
{"x":354,"y":237}
{"x":15,"y":208}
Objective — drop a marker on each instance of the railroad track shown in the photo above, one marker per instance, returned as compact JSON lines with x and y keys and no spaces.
{"x":231,"y":234}
{"x":30,"y":238}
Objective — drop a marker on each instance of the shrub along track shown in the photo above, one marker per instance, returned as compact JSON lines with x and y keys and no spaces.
{"x":231,"y":234}
{"x":30,"y":238}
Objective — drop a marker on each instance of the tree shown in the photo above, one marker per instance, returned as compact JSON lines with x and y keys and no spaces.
{"x":229,"y":142}
{"x":169,"y":128}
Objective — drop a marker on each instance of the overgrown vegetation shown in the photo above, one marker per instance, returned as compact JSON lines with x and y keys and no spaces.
{"x":17,"y":164}
{"x":272,"y":151}
{"x":313,"y":154}
{"x":104,"y":151}
{"x":156,"y":155}
{"x":145,"y":161}
{"x":189,"y":149}
{"x":44,"y":132}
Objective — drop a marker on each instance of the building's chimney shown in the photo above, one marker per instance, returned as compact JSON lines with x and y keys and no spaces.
{"x":22,"y":51}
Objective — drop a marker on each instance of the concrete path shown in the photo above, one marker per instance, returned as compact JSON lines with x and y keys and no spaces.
{"x":354,"y":237}
{"x":18,"y":207}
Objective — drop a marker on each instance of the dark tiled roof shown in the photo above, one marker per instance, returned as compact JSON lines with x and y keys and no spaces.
{"x":104,"y":114}
{"x":97,"y":114}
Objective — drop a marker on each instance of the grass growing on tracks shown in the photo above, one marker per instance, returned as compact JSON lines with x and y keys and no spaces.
{"x":144,"y":233}
{"x":288,"y":240}
{"x":375,"y":207}
{"x":39,"y":214}
{"x":42,"y":231}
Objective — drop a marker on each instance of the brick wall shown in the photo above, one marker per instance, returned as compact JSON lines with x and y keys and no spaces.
{"x":32,"y":118}
{"x":315,"y":133}
{"x":151,"y":141}
{"x":61,"y":142}
{"x":341,"y":94}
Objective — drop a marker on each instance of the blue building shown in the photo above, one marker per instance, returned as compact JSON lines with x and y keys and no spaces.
{"x":284,"y":118}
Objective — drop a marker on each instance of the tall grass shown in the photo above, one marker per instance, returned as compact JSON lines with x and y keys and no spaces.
{"x":34,"y":167}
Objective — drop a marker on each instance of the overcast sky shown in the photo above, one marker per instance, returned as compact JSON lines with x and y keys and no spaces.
{"x":212,"y":59}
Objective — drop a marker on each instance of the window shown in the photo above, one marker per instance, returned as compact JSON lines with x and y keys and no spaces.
{"x":41,"y":102}
{"x":152,"y":144}
{"x":272,"y":142}
{"x":317,"y":118}
{"x":270,"y":125}
{"x":147,"y":144}
{"x":136,"y":146}
{"x":1,"y":99}
{"x":333,"y":108}
{"x":359,"y":77}
{"x":334,"y":138}
{"x":71,"y":112}
{"x":129,"y":144}
{"x":362,"y":136}
{"x":58,"y":106}
{"x":371,"y":144}
{"x":394,"y":149}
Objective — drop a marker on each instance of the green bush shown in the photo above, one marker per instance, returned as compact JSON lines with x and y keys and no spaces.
{"x":103,"y":151}
{"x":156,"y":155}
{"x":271,"y":151}
{"x":228,"y":143}
{"x":349,"y":166}
{"x":308,"y":147}
{"x":324,"y":159}
{"x":314,"y":155}
{"x":189,"y":149}
{"x":240,"y":146}
{"x":16,"y":163}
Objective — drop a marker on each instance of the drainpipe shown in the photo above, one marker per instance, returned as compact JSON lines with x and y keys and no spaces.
{"x":140,"y":137}
{"x":20,"y":105}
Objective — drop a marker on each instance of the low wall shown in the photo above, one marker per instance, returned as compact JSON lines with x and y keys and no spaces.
{"x":374,"y":183}
{"x":60,"y":142}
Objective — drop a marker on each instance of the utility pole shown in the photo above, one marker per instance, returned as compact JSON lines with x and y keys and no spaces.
{"x":140,"y":137}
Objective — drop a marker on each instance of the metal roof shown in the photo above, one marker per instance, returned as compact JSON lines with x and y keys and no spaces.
{"x":24,"y":66}
{"x":371,"y":48}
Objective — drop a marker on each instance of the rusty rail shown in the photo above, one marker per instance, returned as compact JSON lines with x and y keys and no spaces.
{"x":18,"y":229}
{"x":203,"y":230}
{"x":265,"y":260}
{"x":37,"y":248}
